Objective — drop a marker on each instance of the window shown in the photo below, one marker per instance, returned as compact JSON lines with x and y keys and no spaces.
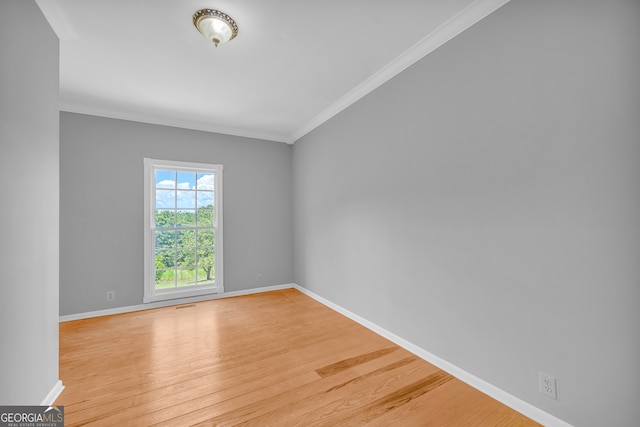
{"x":183,"y":229}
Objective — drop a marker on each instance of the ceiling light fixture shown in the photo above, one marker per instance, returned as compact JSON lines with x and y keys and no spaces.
{"x":216,"y":26}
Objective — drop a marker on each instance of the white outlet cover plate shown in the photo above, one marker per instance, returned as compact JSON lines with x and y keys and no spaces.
{"x":548,"y":385}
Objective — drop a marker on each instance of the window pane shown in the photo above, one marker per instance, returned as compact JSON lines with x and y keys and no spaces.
{"x":206,"y":274}
{"x":186,"y":277}
{"x":205,"y":181}
{"x":165,"y":279}
{"x":165,"y":199}
{"x":187,"y":180}
{"x":186,"y":257}
{"x":205,"y":199}
{"x":205,"y":238}
{"x":186,"y":238}
{"x":186,"y":218}
{"x":205,"y":217}
{"x":165,"y":179}
{"x":206,"y":256}
{"x":165,"y":218}
{"x":186,"y":199}
{"x":165,"y":259}
{"x":165,"y":239}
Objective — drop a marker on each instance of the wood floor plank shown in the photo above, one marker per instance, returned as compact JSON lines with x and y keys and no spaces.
{"x":272,"y":359}
{"x":449,"y":405}
{"x":367,"y":410}
{"x":267,"y":410}
{"x":209,"y":391}
{"x":293,"y":362}
{"x":330,"y":406}
{"x":342,"y":365}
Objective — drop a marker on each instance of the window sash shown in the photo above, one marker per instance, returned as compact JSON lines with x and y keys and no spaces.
{"x":177,"y":290}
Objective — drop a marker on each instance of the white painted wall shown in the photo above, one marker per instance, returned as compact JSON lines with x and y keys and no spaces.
{"x":102,"y":211}
{"x":29,"y":164}
{"x":484,"y":205}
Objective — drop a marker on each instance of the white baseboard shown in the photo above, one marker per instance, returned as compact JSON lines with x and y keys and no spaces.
{"x":179,"y":301}
{"x":498,"y":394}
{"x":53,"y":394}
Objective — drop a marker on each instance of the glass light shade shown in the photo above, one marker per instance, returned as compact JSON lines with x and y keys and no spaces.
{"x":215,"y":30}
{"x":215,"y":26}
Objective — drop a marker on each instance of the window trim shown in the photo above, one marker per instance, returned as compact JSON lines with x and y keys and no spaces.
{"x":150,"y":293}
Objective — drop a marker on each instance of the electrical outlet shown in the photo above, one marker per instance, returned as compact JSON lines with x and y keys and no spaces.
{"x":259,"y":277}
{"x":111,"y":295}
{"x":548,"y":385}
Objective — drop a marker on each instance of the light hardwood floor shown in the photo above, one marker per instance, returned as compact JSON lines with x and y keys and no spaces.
{"x":271,"y":359}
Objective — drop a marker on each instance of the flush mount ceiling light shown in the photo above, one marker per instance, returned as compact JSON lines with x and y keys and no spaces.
{"x":216,"y":26}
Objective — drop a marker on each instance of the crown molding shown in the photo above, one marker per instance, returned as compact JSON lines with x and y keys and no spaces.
{"x":176,"y":122}
{"x":466,"y":18}
{"x":57,"y":20}
{"x":473,"y":13}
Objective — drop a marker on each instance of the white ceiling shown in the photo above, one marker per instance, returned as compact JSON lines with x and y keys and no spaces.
{"x":293,"y":65}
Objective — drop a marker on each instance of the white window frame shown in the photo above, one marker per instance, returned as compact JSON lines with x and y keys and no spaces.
{"x":151,"y":294}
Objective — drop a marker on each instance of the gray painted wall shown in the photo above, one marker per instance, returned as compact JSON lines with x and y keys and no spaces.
{"x":101,"y":207}
{"x":29,"y":152}
{"x":484,"y":205}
